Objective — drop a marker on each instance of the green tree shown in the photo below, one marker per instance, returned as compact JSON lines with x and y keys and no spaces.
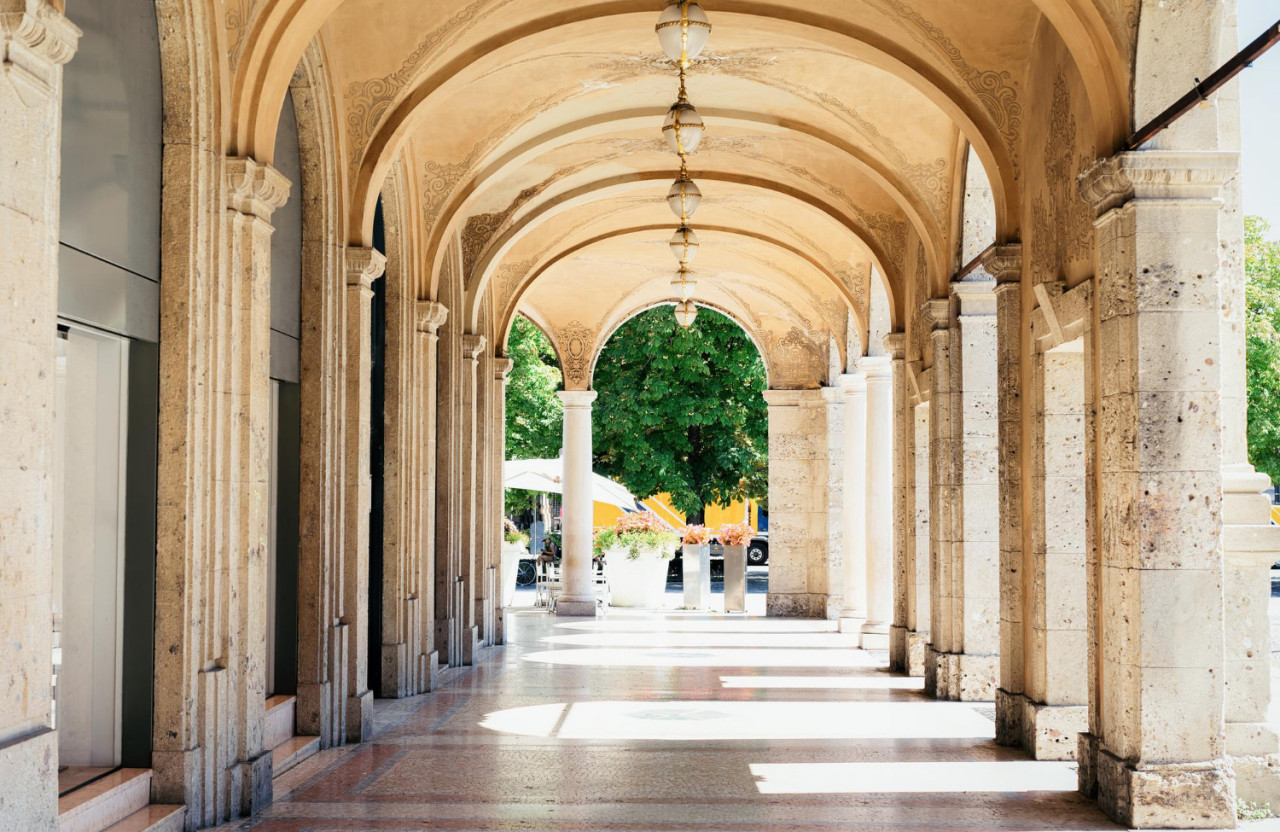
{"x":682,"y":410}
{"x":1262,"y":334}
{"x":534,"y":411}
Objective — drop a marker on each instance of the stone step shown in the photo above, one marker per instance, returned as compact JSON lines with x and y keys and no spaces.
{"x":277,"y":724}
{"x":106,"y":801}
{"x":291,"y":752}
{"x":158,"y":817}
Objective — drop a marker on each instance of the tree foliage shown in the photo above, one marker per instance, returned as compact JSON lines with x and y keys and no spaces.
{"x":534,"y":411}
{"x":1262,"y":333}
{"x":682,"y":410}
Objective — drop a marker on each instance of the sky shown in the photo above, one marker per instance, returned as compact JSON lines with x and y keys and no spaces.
{"x":1260,"y":115}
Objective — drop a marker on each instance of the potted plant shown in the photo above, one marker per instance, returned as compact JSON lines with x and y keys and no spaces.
{"x":734,"y":538}
{"x":696,"y":563}
{"x":515,"y":547}
{"x":636,"y":551}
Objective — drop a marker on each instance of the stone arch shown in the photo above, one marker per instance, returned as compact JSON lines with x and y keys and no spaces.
{"x":602,"y":339}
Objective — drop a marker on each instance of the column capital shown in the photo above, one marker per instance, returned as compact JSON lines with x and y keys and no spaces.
{"x":577,"y":399}
{"x":502,"y":366}
{"x":895,"y":343}
{"x":783,"y":398}
{"x":472,"y":345}
{"x":936,"y":313}
{"x":1003,"y":263}
{"x":33,"y":42}
{"x":430,"y":316}
{"x":854,"y":382}
{"x":364,"y":265}
{"x":1156,"y":174}
{"x":255,"y":189}
{"x":876,"y":367}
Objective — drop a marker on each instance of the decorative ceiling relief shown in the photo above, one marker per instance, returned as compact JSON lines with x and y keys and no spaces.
{"x":239,"y":20}
{"x":993,"y":89}
{"x":576,"y":343}
{"x":1061,"y":227}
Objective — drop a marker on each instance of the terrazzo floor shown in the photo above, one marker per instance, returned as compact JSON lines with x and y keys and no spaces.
{"x":677,"y":722}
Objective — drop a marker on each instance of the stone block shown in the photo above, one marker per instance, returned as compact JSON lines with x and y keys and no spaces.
{"x":1188,"y":796}
{"x":29,"y":770}
{"x":1052,"y":732}
{"x":255,"y":782}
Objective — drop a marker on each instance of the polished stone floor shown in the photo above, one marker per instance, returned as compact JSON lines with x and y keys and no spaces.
{"x":677,"y":722}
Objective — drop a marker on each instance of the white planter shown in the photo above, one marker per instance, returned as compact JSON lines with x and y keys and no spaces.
{"x":509,"y":566}
{"x":640,"y":583}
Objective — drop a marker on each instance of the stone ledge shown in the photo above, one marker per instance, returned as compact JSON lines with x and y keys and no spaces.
{"x":1046,"y":732}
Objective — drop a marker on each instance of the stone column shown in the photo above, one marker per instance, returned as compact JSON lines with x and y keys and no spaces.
{"x":879,"y":478}
{"x":918,"y":581}
{"x":579,"y":596}
{"x":472,"y":552}
{"x":854,"y":515}
{"x":896,"y":345}
{"x":35,"y":41}
{"x":938,"y":656}
{"x":498,"y":453}
{"x":799,"y":510}
{"x":430,"y":317}
{"x":1156,"y":749}
{"x":974,"y":512}
{"x":364,"y":265}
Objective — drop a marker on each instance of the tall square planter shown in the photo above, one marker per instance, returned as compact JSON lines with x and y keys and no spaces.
{"x":735,"y":579}
{"x":696,"y":560}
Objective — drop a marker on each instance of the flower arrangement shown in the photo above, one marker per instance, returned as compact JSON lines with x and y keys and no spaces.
{"x":512,"y":534}
{"x":639,"y":531}
{"x":695,"y":535}
{"x":738,"y":534}
{"x":602,"y":541}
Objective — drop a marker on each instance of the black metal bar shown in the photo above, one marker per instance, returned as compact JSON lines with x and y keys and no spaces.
{"x":1203,"y":89}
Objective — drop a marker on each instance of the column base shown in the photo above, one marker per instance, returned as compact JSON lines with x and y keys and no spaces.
{"x":576,"y":606}
{"x":1046,"y":732}
{"x":795,"y":605}
{"x":29,"y":770}
{"x":898,"y":649}
{"x":874,"y":637}
{"x":396,"y":677}
{"x":961,"y":677}
{"x":917,"y":647}
{"x":360,"y":716}
{"x":1087,"y":765}
{"x":851,"y":622}
{"x":470,"y":644}
{"x":1258,"y":779}
{"x":255,"y":781}
{"x":1170,"y":796}
{"x":431,"y":670}
{"x":312,"y":713}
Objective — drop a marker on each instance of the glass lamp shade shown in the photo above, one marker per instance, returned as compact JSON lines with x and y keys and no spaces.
{"x":683,"y":127}
{"x":686,"y":313}
{"x":684,"y":244}
{"x":684,"y":198}
{"x":683,"y":285}
{"x":683,"y":30}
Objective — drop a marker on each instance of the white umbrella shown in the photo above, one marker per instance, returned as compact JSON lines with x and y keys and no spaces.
{"x":548,"y":475}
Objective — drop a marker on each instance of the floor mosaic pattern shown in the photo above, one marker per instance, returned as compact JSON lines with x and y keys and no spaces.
{"x":677,"y":722}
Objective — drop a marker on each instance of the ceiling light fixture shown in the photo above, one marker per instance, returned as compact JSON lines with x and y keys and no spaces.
{"x":683,"y":30}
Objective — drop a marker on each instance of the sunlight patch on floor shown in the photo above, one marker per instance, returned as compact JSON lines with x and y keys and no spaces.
{"x":709,"y":657}
{"x":914,"y":778}
{"x":701,"y":721}
{"x":706,"y":639}
{"x":824,"y":682}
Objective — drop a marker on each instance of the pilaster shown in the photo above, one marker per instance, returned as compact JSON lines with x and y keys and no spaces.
{"x":854,"y":503}
{"x":34,"y":45}
{"x":498,"y":453}
{"x":363,"y":266}
{"x":1160,"y":757}
{"x":903,"y":423}
{"x":472,"y":567}
{"x":430,"y":316}
{"x":939,"y":665}
{"x":880,"y":502}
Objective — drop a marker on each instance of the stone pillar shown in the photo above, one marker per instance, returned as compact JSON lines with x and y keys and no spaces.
{"x":579,"y":596}
{"x":879,"y":517}
{"x":938,"y":656}
{"x":35,"y":41}
{"x":430,"y":317}
{"x":799,"y":511}
{"x":854,"y":514}
{"x":364,"y":265}
{"x":974,"y":512}
{"x":449,"y":493}
{"x":498,"y":453}
{"x":1156,"y":750}
{"x":470,"y":480}
{"x":896,"y":345}
{"x":918,"y":551}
